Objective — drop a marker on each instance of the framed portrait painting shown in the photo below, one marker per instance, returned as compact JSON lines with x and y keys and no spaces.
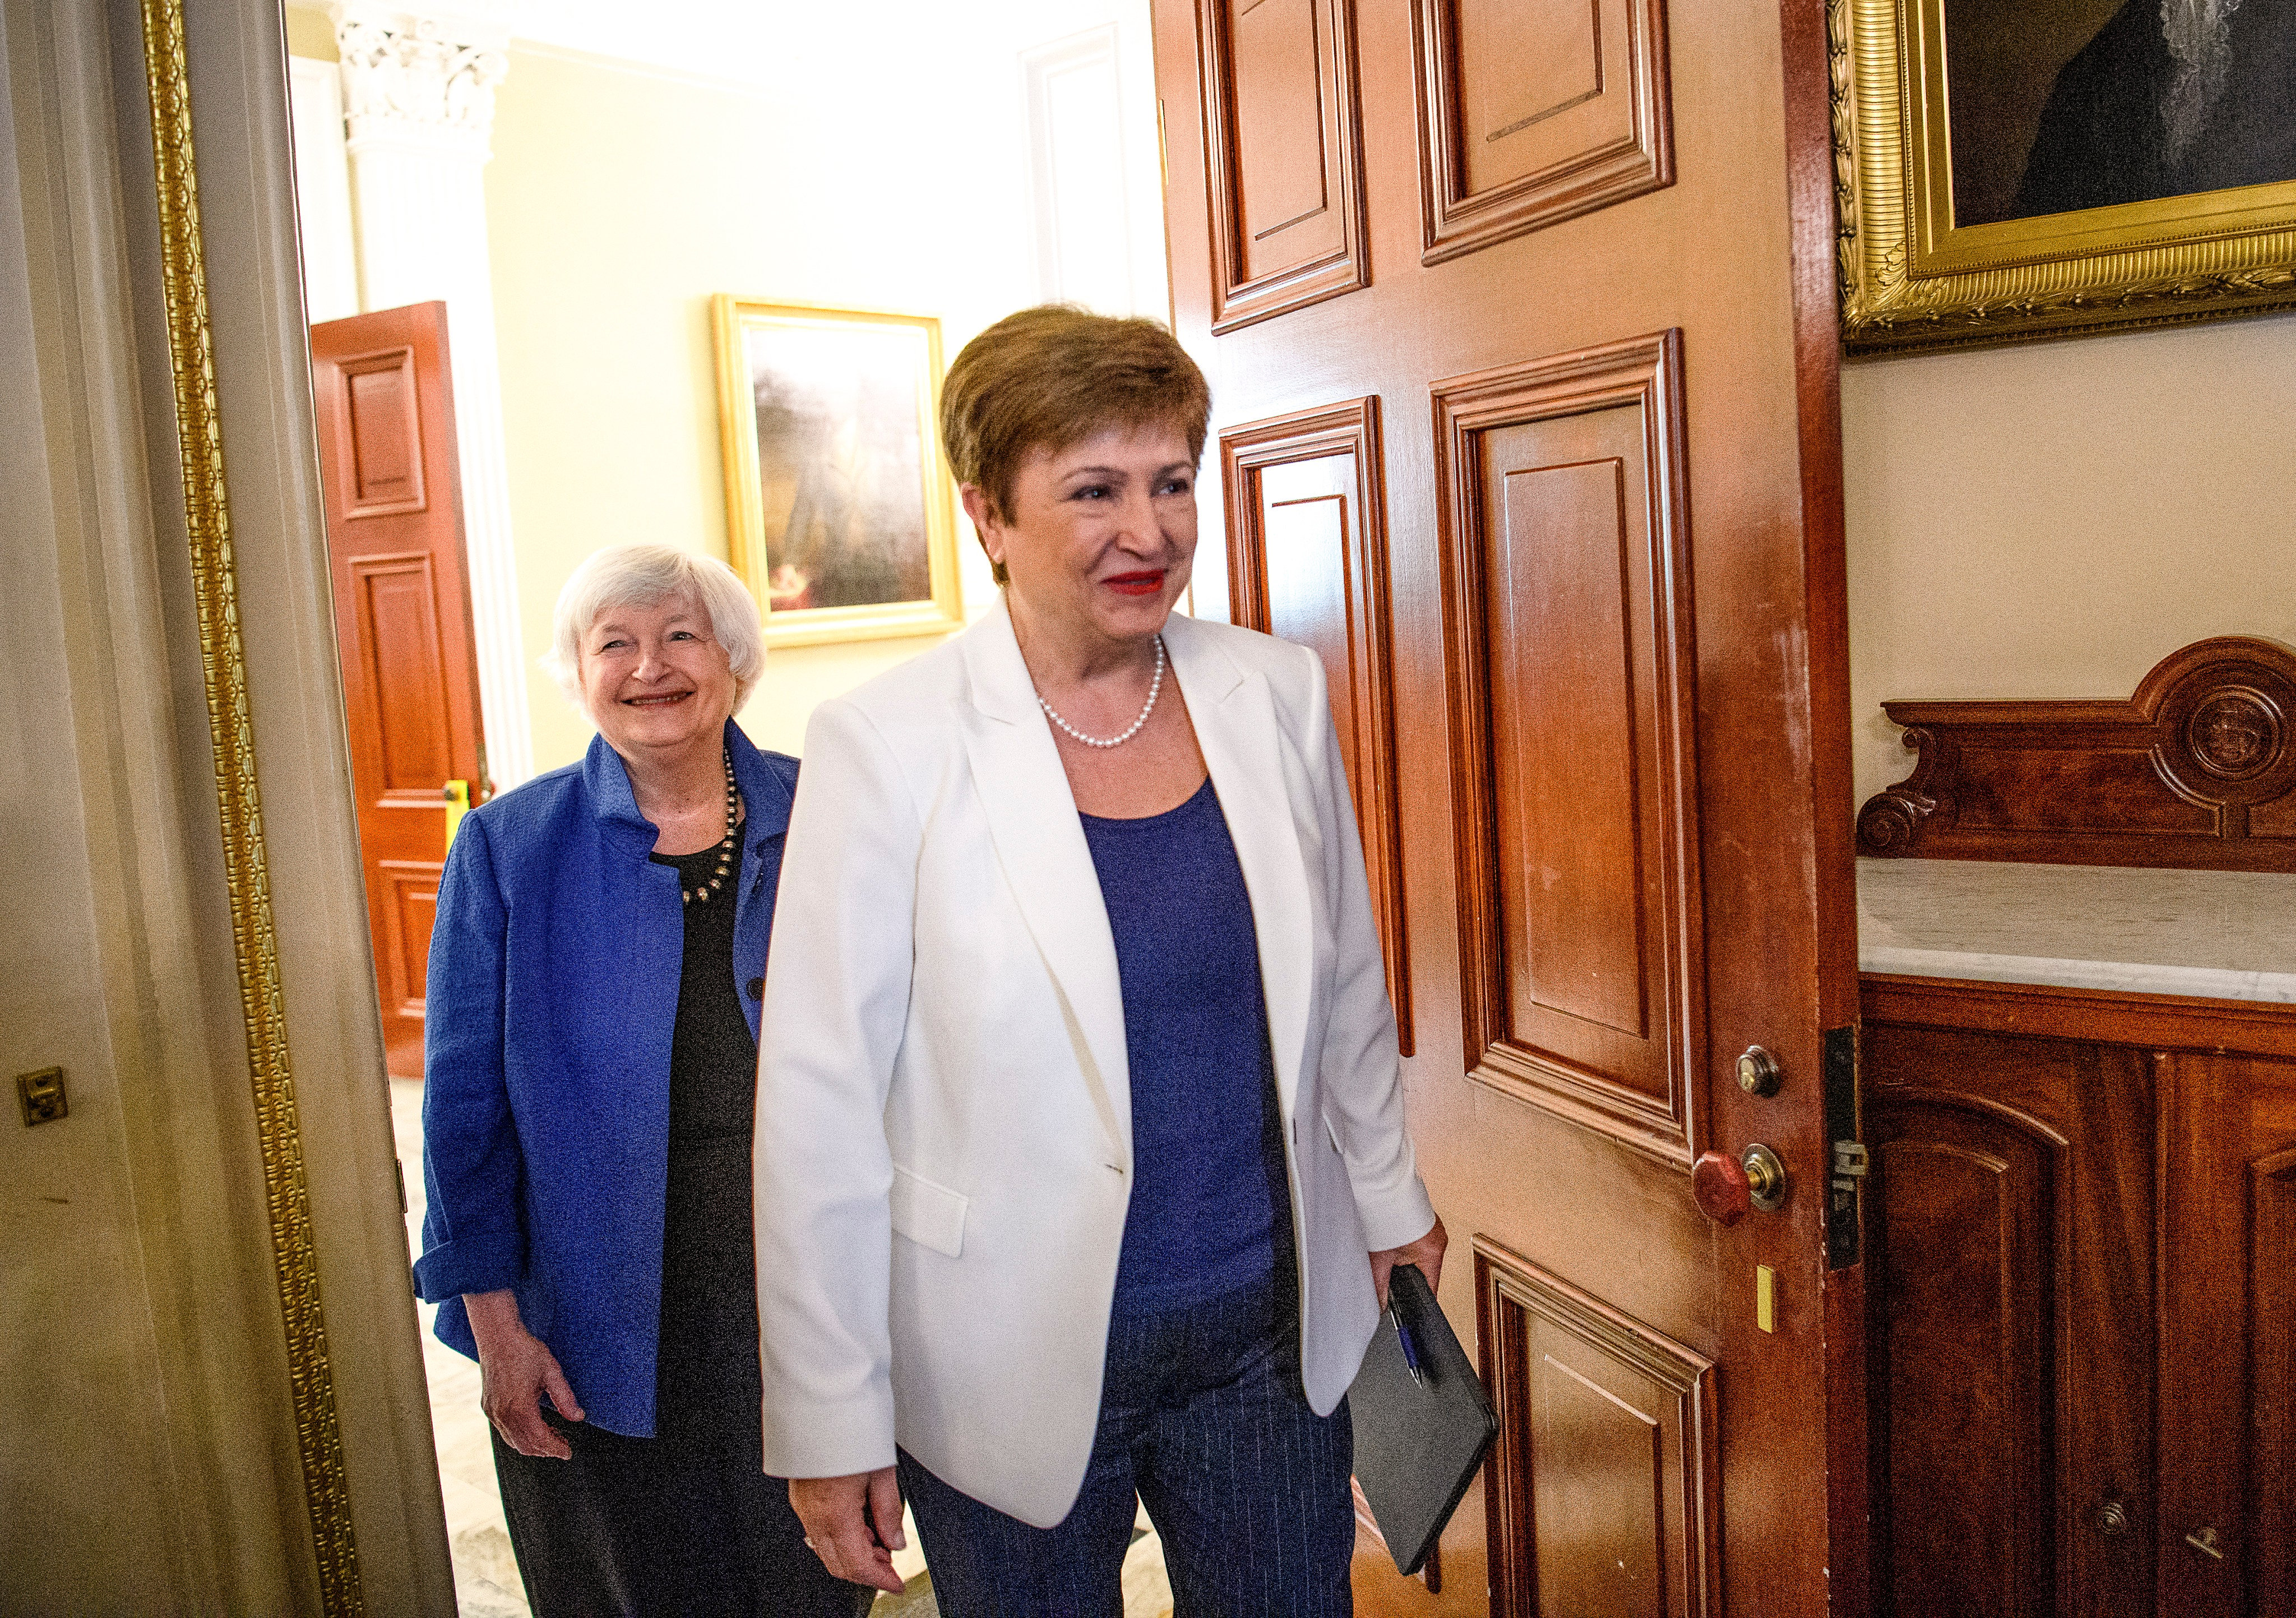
{"x":839,"y":513}
{"x":2008,"y":170}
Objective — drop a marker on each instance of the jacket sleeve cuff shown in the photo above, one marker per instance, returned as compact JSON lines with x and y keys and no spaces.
{"x":828,"y":1441}
{"x":471,"y":1264}
{"x":1397,"y":1217}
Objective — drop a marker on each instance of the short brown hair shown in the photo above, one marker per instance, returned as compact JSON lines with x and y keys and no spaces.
{"x":1053,"y":375}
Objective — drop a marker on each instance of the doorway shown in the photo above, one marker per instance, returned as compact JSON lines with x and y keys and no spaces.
{"x":541,"y":255}
{"x":384,"y":390}
{"x":1618,"y":886}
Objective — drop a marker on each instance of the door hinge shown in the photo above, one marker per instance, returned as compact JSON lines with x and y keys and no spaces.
{"x":1844,"y":1246}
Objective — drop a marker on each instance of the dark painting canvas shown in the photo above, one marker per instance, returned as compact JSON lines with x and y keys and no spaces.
{"x":2058,"y":105}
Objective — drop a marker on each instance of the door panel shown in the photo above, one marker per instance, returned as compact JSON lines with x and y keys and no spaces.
{"x":1570,"y":663}
{"x":1309,"y":563}
{"x":1533,"y":111}
{"x":410,"y":906}
{"x":382,"y":433}
{"x":397,"y":603}
{"x":1601,"y":1486}
{"x":1610,"y":465}
{"x":1280,"y":97}
{"x":402,"y":625}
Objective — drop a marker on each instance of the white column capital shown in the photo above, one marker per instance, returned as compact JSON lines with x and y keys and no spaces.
{"x":421,"y":78}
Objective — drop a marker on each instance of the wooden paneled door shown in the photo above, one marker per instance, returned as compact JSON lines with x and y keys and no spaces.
{"x":402,"y":625}
{"x":1520,"y":321}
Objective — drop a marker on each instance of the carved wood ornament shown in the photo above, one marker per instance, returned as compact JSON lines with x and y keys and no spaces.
{"x":2196,"y":771}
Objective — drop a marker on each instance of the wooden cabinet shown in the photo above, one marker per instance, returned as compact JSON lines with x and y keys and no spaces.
{"x":2082,"y":1292}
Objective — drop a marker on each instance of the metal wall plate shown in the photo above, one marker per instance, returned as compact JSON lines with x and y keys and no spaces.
{"x":42,"y":1096}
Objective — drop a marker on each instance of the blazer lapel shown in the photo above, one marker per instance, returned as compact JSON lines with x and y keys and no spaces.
{"x":1039,"y":843}
{"x":1235,"y":716}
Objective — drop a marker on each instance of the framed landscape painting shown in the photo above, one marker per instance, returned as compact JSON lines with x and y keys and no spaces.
{"x":2009,"y":170}
{"x":840,"y":514}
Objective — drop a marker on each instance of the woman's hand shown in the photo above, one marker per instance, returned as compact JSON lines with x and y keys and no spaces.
{"x":1426,"y":1253}
{"x":517,"y":1369}
{"x":853,"y":1524}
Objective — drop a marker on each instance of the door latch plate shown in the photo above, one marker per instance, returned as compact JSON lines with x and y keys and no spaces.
{"x":1844,"y":1244}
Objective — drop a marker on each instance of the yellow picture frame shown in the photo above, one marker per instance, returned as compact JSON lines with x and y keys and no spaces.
{"x":1913,"y":278}
{"x":840,"y":514}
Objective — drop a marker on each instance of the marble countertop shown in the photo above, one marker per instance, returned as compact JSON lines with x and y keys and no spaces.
{"x":2226,"y":935}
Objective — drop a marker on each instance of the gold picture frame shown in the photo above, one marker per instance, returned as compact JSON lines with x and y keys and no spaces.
{"x":1912,"y":276}
{"x":840,"y":514}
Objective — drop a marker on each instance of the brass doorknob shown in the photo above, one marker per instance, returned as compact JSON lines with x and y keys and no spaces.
{"x":2112,"y":1520}
{"x":1726,"y":1188}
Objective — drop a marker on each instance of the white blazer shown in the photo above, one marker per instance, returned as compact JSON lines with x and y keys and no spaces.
{"x":944,"y":1144}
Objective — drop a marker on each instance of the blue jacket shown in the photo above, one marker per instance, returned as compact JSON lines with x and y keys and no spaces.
{"x":554,"y":977}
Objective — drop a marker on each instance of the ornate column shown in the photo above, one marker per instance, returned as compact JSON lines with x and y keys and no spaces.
{"x":419,"y":98}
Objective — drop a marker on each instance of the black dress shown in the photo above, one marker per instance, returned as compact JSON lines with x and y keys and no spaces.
{"x":685,"y":1523}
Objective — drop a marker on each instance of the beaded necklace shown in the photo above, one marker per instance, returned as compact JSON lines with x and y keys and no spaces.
{"x":703,"y":891}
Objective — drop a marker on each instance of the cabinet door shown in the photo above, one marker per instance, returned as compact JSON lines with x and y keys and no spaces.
{"x":2011,"y":1215}
{"x":2083,"y":1282}
{"x":2225,"y":1527}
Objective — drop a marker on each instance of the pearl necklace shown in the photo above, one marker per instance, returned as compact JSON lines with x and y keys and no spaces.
{"x":1154,"y":686}
{"x":703,"y":891}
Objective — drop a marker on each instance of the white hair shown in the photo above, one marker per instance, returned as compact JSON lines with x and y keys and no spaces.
{"x":646,"y":576}
{"x":2199,"y":36}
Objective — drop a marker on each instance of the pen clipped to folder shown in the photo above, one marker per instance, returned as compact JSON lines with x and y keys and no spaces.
{"x":1410,"y":1347}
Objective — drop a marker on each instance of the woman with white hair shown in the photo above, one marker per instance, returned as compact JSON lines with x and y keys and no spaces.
{"x":590,"y":1048}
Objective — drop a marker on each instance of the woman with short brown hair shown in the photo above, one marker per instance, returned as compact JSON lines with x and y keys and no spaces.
{"x":1088,"y":1158}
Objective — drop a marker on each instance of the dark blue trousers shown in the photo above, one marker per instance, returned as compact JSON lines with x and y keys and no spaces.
{"x":1202,"y":1416}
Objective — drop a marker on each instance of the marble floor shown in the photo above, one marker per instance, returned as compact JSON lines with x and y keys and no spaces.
{"x":486,"y":1575}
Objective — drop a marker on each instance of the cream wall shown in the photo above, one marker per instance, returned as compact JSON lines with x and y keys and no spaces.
{"x":2052,"y":519}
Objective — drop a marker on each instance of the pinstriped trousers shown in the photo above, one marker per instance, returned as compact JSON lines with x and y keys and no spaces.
{"x":1202,"y":1415}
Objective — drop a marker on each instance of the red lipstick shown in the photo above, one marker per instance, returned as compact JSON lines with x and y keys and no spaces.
{"x":1136,"y":584}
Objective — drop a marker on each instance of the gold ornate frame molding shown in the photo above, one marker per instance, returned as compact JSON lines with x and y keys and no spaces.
{"x":1910,"y":279}
{"x":231,"y":731}
{"x":732,"y":320}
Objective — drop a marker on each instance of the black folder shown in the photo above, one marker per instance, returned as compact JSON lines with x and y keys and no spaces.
{"x":1419,"y":1438}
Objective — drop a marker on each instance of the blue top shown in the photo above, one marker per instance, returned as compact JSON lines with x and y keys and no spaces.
{"x":1207,"y":1161}
{"x":553,"y":979}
